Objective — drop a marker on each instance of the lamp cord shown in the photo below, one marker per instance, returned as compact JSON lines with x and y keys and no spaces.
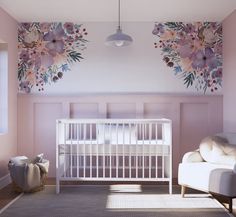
{"x":119,"y":27}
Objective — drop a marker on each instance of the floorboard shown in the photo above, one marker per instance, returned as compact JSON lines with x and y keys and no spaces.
{"x":7,"y":195}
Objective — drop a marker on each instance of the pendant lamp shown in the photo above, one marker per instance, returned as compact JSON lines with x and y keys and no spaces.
{"x":119,"y":39}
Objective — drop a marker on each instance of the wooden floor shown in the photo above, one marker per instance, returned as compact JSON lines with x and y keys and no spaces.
{"x":7,"y":195}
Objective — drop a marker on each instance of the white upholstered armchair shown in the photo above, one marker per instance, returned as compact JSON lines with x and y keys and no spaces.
{"x":211,"y":168}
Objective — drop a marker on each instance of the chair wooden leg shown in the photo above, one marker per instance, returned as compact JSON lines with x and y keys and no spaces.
{"x":183,"y":190}
{"x":230,"y":205}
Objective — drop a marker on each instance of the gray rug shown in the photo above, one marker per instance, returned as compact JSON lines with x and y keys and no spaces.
{"x":117,"y":201}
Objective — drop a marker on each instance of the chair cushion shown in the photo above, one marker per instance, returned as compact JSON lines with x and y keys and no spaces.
{"x":197,"y":175}
{"x":222,"y":181}
{"x":215,"y":149}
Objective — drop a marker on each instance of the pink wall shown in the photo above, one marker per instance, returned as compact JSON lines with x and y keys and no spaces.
{"x":8,"y":141}
{"x":229,"y":67}
{"x":193,"y":118}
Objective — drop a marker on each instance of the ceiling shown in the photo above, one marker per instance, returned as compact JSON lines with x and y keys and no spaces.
{"x":106,"y":10}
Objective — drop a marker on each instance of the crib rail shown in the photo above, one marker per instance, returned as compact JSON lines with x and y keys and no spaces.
{"x":114,"y":150}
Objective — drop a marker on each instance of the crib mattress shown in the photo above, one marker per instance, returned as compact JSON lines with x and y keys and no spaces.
{"x":93,"y":148}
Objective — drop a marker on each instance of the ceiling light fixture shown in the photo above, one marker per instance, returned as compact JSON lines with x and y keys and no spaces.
{"x":119,"y":39}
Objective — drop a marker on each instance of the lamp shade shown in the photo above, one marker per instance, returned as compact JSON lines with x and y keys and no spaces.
{"x":119,"y":39}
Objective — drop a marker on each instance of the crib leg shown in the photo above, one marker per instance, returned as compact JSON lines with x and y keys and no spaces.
{"x":57,"y":186}
{"x":170,"y":187}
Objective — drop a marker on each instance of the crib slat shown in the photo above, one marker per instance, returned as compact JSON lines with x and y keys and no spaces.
{"x":97,"y":136}
{"x":117,"y":157}
{"x":58,"y":163}
{"x":149,"y":147}
{"x":77,"y":149}
{"x":103,"y":157}
{"x":90,"y":161}
{"x":143,"y":132}
{"x":110,"y":147}
{"x":84,"y":138}
{"x":169,"y":131}
{"x":136,"y":149}
{"x":123,"y":151}
{"x":71,"y":146}
{"x":130,"y":163}
{"x":156,"y":149}
{"x":65,"y":135}
{"x":163,"y":157}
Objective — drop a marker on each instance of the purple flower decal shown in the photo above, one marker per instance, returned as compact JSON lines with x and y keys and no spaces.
{"x":204,"y":59}
{"x":217,"y":74}
{"x":25,"y":86}
{"x":45,"y":27}
{"x":189,"y":28}
{"x":69,"y":27}
{"x":194,"y":51}
{"x":185,"y":51}
{"x":46,"y":51}
{"x":26,"y":26}
{"x":46,"y":60}
{"x":55,"y":38}
{"x":158,"y":28}
{"x":24,"y":56}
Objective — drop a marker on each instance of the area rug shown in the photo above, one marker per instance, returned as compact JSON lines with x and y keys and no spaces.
{"x":117,"y":201}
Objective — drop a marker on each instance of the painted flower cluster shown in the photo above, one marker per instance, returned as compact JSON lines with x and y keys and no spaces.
{"x":194,"y":51}
{"x":46,"y":51}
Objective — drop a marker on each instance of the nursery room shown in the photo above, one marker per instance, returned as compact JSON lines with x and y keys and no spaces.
{"x":117,"y":108}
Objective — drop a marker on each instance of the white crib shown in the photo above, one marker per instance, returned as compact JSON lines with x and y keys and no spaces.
{"x":114,"y":150}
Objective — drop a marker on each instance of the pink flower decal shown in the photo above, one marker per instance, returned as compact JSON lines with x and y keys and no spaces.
{"x":194,"y":51}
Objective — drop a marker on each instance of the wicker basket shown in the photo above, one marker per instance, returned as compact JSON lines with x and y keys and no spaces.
{"x":18,"y":189}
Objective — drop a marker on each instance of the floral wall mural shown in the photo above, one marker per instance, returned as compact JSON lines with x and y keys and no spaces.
{"x":46,"y":51}
{"x":194,"y":51}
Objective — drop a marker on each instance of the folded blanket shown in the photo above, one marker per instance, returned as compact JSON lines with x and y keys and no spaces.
{"x":215,"y":149}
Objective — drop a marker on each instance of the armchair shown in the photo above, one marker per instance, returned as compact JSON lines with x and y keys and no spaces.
{"x":211,"y":168}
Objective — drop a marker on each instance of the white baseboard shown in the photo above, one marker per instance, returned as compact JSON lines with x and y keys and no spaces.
{"x":5,"y":180}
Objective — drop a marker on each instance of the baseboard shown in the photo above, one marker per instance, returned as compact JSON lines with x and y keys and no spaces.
{"x":5,"y":180}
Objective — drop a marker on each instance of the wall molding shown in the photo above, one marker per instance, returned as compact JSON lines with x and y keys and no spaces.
{"x":5,"y":180}
{"x":193,"y":117}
